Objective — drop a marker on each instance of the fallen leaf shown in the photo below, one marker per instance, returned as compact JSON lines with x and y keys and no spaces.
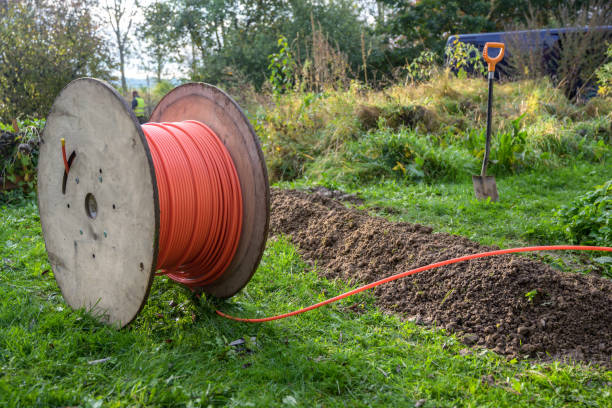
{"x":237,"y":342}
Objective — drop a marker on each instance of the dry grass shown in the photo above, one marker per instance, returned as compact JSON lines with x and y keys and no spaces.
{"x":298,"y":128}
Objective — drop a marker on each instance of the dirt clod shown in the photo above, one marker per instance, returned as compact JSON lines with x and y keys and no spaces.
{"x":484,"y":300}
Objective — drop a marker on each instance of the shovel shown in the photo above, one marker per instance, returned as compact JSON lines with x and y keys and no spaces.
{"x":484,"y":186}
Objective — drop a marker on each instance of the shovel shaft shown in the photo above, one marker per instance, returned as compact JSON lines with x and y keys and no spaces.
{"x":485,"y":161}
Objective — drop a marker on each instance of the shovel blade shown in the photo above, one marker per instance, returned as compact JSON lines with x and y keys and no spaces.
{"x":485,"y":187}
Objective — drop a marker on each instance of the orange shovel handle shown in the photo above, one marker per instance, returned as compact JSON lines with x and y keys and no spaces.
{"x":500,"y":55}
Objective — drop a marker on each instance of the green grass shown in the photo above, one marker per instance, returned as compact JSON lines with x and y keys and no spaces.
{"x":523,"y":215}
{"x":178,"y":353}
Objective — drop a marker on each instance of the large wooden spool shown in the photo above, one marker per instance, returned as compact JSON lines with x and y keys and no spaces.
{"x":101,"y":222}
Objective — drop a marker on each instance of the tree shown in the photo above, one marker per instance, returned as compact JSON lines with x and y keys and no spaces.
{"x":159,"y":35}
{"x":119,"y":14}
{"x":45,"y":45}
{"x":238,"y":35}
{"x":426,"y":24}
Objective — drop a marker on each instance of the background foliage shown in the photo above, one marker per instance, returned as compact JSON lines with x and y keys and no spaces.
{"x":45,"y":45}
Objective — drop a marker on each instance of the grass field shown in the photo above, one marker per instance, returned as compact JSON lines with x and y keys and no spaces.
{"x":179,"y":353}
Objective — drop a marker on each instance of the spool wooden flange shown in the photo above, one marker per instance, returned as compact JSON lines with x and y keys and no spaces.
{"x":213,"y":107}
{"x":101,"y":229}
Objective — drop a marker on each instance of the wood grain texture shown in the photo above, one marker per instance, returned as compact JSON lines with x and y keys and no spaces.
{"x":104,"y":265}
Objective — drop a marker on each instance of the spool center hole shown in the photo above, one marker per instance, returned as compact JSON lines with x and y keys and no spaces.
{"x":91,"y":206}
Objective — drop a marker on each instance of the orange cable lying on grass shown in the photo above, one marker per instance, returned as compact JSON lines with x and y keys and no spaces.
{"x":417,"y":270}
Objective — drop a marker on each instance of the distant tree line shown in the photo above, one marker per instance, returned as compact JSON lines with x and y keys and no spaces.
{"x":229,"y":37}
{"x":237,"y":36}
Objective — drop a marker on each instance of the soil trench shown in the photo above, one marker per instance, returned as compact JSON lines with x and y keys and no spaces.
{"x":511,"y":304}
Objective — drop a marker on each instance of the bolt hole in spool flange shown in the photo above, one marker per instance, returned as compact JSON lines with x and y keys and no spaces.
{"x":111,"y":277}
{"x":91,"y":206}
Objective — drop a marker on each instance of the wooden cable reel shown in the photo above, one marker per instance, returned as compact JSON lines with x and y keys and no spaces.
{"x":101,"y":219}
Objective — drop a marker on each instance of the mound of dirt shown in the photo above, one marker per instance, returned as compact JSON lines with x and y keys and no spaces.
{"x":511,"y":304}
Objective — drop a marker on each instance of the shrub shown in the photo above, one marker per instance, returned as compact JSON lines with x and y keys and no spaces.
{"x":19,"y":143}
{"x":587,"y":219}
{"x":464,"y":58}
{"x":281,"y":67}
{"x":508,"y":149}
{"x":422,"y":68}
{"x":604,"y":75}
{"x":509,"y":153}
{"x":45,"y":45}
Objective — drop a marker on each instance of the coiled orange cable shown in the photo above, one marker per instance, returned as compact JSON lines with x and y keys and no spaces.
{"x":200,"y":201}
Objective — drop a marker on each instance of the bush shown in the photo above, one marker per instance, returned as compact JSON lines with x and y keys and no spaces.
{"x":464,"y":58}
{"x":45,"y":45}
{"x":281,"y":68}
{"x":19,"y":146}
{"x":604,"y":75}
{"x":508,"y":149}
{"x":587,"y":219}
{"x":420,"y":69}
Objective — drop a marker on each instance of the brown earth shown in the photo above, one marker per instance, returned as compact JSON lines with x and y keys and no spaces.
{"x":566,"y":316}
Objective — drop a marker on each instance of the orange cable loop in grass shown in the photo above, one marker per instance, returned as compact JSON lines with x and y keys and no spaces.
{"x":200,"y":201}
{"x":415,"y":271}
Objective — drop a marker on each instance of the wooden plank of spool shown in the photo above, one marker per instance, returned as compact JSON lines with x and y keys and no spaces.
{"x":213,"y":107}
{"x":102,"y":234}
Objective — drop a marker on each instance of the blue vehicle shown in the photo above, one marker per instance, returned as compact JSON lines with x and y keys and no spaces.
{"x":545,"y":44}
